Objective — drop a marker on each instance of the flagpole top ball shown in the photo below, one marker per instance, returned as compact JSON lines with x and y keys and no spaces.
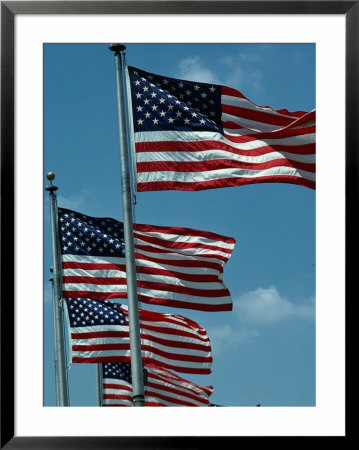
{"x":117,"y":47}
{"x":51,"y":176}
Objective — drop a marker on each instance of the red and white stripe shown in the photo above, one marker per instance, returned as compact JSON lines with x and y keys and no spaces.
{"x":259,"y":145}
{"x":176,"y":267}
{"x":167,"y":340}
{"x":162,"y":388}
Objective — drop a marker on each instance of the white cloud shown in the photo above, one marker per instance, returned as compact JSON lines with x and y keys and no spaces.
{"x":193,"y":69}
{"x":75,"y":202}
{"x":242,"y":72}
{"x":253,"y":309}
{"x":267,"y":306}
{"x":223,"y":336}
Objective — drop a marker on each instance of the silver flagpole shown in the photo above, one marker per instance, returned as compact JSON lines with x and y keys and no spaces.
{"x":60,"y":358}
{"x":55,"y":340}
{"x":99,"y":383}
{"x":133,"y":314}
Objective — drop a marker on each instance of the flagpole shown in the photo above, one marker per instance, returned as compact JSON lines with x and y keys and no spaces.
{"x":55,"y":340}
{"x":60,"y":359}
{"x":133,"y":314}
{"x":99,"y":383}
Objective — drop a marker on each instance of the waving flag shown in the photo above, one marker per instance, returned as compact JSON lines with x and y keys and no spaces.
{"x":177,"y":267}
{"x":99,"y":332}
{"x":192,"y":136}
{"x":161,"y":387}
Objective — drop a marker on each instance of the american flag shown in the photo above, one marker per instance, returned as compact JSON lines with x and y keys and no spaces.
{"x":99,"y":332}
{"x":177,"y":267}
{"x":193,"y":136}
{"x":161,"y":387}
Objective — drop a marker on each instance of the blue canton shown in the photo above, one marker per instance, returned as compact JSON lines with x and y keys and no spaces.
{"x":84,"y":312}
{"x":163,"y":103}
{"x":120,"y":371}
{"x":84,"y":235}
{"x":117,"y":371}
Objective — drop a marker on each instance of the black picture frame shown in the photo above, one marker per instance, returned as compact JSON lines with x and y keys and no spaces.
{"x":9,"y":9}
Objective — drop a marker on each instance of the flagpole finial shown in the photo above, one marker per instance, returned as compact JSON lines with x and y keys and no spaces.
{"x":117,"y":47}
{"x":51,"y":176}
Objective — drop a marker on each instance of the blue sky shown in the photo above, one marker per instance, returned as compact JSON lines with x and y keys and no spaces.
{"x":263,"y":350}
